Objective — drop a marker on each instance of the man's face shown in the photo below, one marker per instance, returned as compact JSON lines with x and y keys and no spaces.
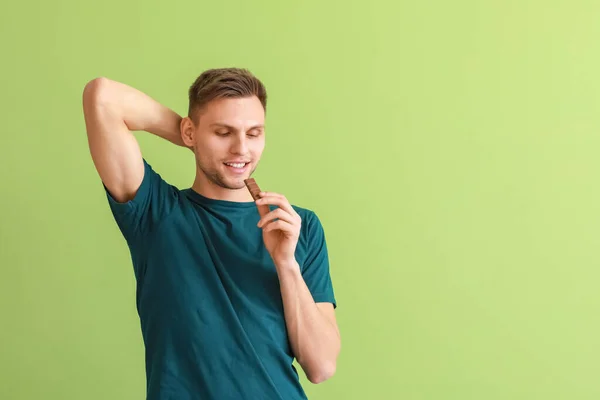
{"x":229,"y":140}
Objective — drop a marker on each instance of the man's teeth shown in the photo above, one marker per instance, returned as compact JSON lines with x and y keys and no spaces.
{"x":236,"y":165}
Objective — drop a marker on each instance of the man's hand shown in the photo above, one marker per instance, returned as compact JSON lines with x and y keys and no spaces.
{"x":281,"y":235}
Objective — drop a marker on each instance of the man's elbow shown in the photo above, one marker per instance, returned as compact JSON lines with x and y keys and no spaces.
{"x":98,"y":91}
{"x":93,"y":89}
{"x":322,"y":372}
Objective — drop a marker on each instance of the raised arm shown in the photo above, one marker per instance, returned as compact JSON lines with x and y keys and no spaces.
{"x":112,"y":110}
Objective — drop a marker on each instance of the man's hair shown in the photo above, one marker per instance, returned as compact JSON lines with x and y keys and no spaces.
{"x":221,"y":83}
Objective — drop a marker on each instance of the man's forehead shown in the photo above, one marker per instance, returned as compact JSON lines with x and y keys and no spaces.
{"x":246,"y":111}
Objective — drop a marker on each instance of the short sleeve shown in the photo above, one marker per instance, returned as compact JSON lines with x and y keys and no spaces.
{"x":315,"y":269}
{"x":152,"y":203}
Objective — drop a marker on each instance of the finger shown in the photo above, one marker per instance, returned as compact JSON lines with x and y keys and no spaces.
{"x":278,"y":200}
{"x":281,"y":225}
{"x":263,"y":209}
{"x":278,"y":213}
{"x":263,"y":194}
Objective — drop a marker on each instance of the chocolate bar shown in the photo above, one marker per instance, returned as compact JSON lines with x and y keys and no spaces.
{"x":252,"y":186}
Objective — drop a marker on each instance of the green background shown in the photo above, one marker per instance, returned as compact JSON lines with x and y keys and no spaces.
{"x":449,"y":148}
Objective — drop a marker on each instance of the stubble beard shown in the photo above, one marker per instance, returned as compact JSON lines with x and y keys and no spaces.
{"x":218,"y":179}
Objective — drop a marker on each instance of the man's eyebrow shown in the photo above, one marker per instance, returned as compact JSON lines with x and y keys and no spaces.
{"x":219,"y":124}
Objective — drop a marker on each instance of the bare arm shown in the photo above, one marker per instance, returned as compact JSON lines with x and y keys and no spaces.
{"x":112,"y":110}
{"x":312,"y":327}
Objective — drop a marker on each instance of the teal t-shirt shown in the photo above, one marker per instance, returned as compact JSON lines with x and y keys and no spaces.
{"x":208,"y":294}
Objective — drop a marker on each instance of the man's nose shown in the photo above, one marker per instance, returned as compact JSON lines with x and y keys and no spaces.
{"x":240,"y":145}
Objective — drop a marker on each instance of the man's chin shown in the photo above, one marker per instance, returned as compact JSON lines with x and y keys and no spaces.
{"x":234,"y":183}
{"x":237,"y":177}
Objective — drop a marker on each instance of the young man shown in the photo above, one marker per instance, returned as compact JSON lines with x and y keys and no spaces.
{"x":226,"y":298}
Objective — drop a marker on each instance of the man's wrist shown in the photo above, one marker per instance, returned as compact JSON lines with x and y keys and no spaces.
{"x":288,"y":265}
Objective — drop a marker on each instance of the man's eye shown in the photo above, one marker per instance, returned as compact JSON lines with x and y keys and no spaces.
{"x":222,"y":133}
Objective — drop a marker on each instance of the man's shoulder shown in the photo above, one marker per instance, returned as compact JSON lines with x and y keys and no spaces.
{"x":311,"y":224}
{"x":168,"y":188}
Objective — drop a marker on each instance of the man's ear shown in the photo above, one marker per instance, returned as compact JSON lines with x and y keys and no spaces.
{"x":188,"y":130}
